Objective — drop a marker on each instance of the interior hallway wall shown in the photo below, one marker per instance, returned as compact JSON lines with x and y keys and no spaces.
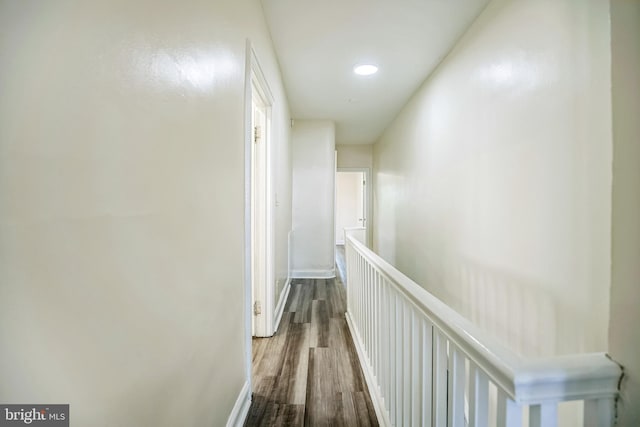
{"x":313,"y":198}
{"x":493,"y":185}
{"x":122,"y":206}
{"x":624,"y":338}
{"x":355,"y":156}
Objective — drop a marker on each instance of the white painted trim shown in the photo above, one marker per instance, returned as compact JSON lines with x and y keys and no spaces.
{"x":270,"y":290}
{"x":525,"y":381}
{"x":255,"y":78}
{"x":313,"y":274}
{"x":372,"y":384}
{"x":241,"y":408}
{"x":289,"y":253}
{"x":247,"y":215}
{"x":335,"y":202}
{"x":281,"y":303}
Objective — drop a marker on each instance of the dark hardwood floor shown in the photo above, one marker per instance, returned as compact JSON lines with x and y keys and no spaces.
{"x":308,"y":373}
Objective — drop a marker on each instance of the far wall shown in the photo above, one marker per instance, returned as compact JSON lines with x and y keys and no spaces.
{"x":313,"y":245}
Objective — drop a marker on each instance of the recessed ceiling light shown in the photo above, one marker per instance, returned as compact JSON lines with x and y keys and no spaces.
{"x":365,"y":69}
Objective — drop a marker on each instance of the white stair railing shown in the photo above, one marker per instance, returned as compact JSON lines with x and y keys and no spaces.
{"x":426,"y":365}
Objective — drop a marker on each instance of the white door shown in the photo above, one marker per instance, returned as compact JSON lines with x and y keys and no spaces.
{"x":259,"y":213}
{"x":350,"y":203}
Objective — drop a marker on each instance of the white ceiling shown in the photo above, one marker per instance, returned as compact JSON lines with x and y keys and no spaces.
{"x":319,"y":41}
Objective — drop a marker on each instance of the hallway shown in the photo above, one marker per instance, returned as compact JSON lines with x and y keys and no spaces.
{"x":502,"y":150}
{"x":308,"y":373}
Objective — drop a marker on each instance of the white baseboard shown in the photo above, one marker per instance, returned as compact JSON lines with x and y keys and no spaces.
{"x":313,"y":274}
{"x":374,"y":390}
{"x":281,"y":303}
{"x":241,"y":407}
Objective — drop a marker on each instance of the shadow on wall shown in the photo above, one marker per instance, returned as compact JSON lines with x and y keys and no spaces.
{"x":517,"y":311}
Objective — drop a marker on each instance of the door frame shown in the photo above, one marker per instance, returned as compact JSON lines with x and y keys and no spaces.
{"x":368,"y":200}
{"x":254,"y":78}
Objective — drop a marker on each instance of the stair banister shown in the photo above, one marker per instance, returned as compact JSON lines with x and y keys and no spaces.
{"x":457,"y":359}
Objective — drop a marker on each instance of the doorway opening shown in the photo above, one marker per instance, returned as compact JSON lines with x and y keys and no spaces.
{"x":352,"y":211}
{"x":259,"y":223}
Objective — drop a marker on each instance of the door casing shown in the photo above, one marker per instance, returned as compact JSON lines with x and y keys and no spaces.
{"x":368,"y":199}
{"x":263,"y":325}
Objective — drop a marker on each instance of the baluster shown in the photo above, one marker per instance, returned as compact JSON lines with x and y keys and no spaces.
{"x":389,"y":345}
{"x":384,"y":352}
{"x":478,"y":398}
{"x":372,"y":313}
{"x":392,"y":354}
{"x":440,"y":362}
{"x":426,"y":359}
{"x":509,"y":412}
{"x":349,"y":279}
{"x":420,"y":375}
{"x":347,"y":257}
{"x":374,"y":320}
{"x":375,"y":317}
{"x":356,"y":291}
{"x":544,"y":415}
{"x":598,"y":412}
{"x":361,"y":320}
{"x":365,"y":270}
{"x":377,"y":326}
{"x":399,"y":359}
{"x":365,"y":310}
{"x":354,"y":283}
{"x":389,"y":341}
{"x":417,"y":375}
{"x":456,"y":387}
{"x":357,"y":283}
{"x":407,"y":346}
{"x":360,"y":294}
{"x":381,"y":323}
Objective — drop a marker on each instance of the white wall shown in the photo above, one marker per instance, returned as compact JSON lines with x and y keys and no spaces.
{"x":355,"y":156}
{"x":349,"y":200}
{"x":624,"y":338}
{"x":313,"y":198}
{"x":493,"y":185}
{"x":121,"y":206}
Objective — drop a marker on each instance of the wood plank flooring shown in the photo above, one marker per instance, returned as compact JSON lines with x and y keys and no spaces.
{"x":308,"y":373}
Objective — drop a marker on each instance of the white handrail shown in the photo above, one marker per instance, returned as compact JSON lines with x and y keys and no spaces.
{"x":536,"y":383}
